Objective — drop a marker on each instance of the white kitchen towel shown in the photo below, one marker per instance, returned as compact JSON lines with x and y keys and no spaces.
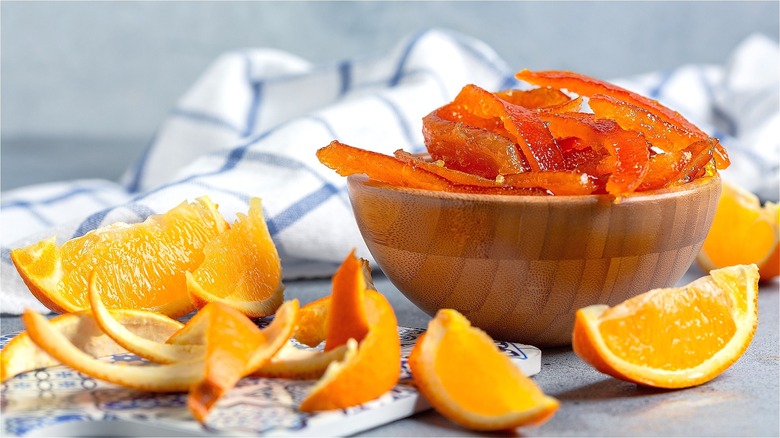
{"x":251,"y":124}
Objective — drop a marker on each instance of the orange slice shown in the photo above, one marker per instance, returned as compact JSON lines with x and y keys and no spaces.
{"x":372,"y":367}
{"x":241,"y":268}
{"x":140,"y":265}
{"x":464,"y":376}
{"x":673,"y":337}
{"x":742,"y":232}
{"x":22,"y":354}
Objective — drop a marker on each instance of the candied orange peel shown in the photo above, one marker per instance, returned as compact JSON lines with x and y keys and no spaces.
{"x":545,"y":141}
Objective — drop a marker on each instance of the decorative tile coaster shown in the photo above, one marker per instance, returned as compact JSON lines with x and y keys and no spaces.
{"x":59,"y":401}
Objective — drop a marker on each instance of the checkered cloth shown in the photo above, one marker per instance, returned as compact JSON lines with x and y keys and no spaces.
{"x":251,"y":124}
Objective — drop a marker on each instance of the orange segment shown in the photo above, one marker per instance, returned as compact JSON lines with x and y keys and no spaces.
{"x":241,"y":268}
{"x":742,"y":232}
{"x":80,"y":328}
{"x":466,"y":378}
{"x":673,"y":337}
{"x":139,"y":266}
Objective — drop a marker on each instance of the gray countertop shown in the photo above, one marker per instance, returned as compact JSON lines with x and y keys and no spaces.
{"x":743,"y":401}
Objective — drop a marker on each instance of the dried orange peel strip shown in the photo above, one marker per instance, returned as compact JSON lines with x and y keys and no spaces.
{"x":347,"y":160}
{"x":588,"y":86}
{"x":673,"y":337}
{"x":466,"y":378}
{"x":470,"y":149}
{"x":80,"y":328}
{"x":523,"y":125}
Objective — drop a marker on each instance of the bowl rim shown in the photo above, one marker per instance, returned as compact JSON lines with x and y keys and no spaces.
{"x":697,"y":185}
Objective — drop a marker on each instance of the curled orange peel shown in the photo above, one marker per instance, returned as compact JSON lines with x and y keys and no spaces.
{"x":153,"y":350}
{"x":21,"y":354}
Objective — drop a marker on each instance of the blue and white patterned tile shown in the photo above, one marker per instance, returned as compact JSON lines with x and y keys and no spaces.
{"x":257,"y":406}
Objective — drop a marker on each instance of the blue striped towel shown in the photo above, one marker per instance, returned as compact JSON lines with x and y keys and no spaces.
{"x":251,"y":124}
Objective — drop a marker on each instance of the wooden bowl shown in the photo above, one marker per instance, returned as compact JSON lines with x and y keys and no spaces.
{"x":520,"y":266}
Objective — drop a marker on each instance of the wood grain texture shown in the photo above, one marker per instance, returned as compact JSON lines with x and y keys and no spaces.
{"x":520,"y":267}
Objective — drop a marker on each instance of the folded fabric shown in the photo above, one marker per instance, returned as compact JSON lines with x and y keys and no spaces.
{"x":251,"y":124}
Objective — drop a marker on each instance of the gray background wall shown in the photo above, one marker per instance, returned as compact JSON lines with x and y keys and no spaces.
{"x":84,"y":84}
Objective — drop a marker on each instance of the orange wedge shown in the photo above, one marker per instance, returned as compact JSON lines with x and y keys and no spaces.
{"x":22,"y":354}
{"x":367,"y":371}
{"x":673,"y":337}
{"x":140,"y":266}
{"x":241,"y":268}
{"x":464,"y":376}
{"x":742,"y":232}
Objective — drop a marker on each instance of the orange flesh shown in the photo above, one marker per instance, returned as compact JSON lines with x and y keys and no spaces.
{"x":709,"y":331}
{"x":486,"y":389}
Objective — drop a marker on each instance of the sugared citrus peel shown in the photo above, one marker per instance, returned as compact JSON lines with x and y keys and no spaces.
{"x":673,"y":337}
{"x":542,"y":142}
{"x":464,"y":376}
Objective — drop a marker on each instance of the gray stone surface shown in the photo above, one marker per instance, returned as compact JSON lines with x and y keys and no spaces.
{"x":743,"y":401}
